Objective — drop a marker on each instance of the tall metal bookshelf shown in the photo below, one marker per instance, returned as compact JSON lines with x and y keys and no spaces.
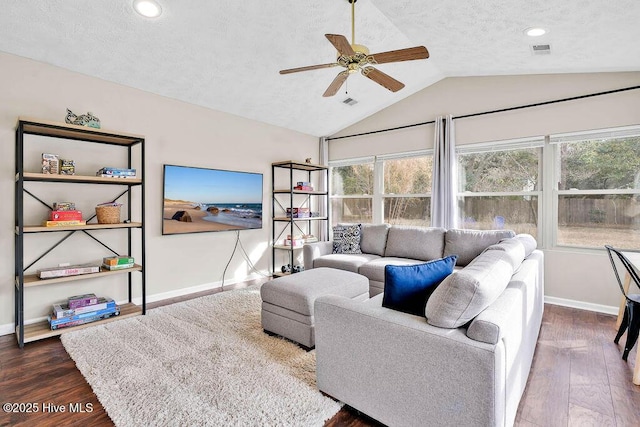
{"x":25,"y":281}
{"x":285,"y":196}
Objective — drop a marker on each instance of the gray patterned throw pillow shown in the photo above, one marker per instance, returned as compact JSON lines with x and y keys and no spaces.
{"x":346,"y":239}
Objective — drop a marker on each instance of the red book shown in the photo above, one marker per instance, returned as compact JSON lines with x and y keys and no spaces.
{"x":65,"y":216}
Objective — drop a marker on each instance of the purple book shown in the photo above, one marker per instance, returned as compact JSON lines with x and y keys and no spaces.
{"x":82,"y":300}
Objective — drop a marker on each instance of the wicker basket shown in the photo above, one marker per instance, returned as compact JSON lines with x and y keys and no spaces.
{"x":108,"y":214}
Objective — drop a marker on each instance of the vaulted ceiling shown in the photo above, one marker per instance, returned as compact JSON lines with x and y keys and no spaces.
{"x":226,"y":55}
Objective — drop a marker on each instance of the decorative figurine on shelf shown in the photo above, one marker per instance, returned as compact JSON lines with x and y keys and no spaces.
{"x":307,"y":160}
{"x":286,"y":268}
{"x":82,"y":120}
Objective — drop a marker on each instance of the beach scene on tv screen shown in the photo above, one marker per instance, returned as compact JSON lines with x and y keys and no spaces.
{"x":199,"y":199}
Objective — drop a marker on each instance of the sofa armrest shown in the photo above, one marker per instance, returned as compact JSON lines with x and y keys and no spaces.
{"x":311,"y":251}
{"x":400,"y":370}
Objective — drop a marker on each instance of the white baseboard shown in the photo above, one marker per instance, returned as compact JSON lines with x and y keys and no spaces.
{"x":7,"y":329}
{"x":199,"y":288}
{"x":10,"y":328}
{"x":598,"y":308}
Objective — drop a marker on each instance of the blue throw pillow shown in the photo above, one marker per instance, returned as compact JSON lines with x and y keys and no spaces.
{"x":408,"y":287}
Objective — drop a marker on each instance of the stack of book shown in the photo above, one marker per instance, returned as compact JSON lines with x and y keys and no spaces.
{"x":295,"y":242}
{"x":63,"y":215}
{"x":298,"y":213}
{"x":117,"y":262}
{"x":81,"y":309}
{"x":303,"y":186}
{"x":109,"y":172}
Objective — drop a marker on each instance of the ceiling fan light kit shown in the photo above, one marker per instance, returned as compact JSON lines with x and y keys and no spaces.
{"x":355,"y":58}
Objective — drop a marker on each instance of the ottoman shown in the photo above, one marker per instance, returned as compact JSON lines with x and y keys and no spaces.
{"x":287,"y":302}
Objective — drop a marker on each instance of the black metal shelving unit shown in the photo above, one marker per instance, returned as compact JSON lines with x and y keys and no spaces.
{"x":24,"y":281}
{"x":295,"y":198}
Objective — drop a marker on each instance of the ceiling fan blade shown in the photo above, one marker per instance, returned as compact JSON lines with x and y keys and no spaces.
{"x":310,"y":67}
{"x":336,"y":84}
{"x":409,"y":54}
{"x":382,"y":79}
{"x":341,"y":44}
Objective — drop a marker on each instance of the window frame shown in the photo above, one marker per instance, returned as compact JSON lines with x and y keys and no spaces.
{"x":510,"y":145}
{"x":380,"y":161}
{"x":554,"y":142}
{"x":351,"y":162}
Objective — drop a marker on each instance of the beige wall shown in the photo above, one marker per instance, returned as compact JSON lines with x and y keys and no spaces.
{"x":467,"y":95}
{"x":176,"y":133}
{"x":579,"y":275}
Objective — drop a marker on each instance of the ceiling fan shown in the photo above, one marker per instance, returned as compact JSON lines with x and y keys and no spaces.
{"x":354,"y":57}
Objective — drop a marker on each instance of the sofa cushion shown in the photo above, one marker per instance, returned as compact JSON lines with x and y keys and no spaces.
{"x":490,"y":325}
{"x":374,"y":269}
{"x":468,"y":244}
{"x":408,"y":287}
{"x":374,"y":238}
{"x":513,"y":248}
{"x":346,"y":239}
{"x":423,"y":243}
{"x":348,"y":262}
{"x":467,"y":292}
{"x":529,"y":243}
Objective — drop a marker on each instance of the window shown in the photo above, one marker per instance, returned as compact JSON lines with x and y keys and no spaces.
{"x":591,"y":188}
{"x":407,"y":190}
{"x":598,"y":193}
{"x":352,"y":192}
{"x":499,"y":186}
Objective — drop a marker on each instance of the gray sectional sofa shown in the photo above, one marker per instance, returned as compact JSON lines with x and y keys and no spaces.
{"x":382,"y":244}
{"x":465,"y":362}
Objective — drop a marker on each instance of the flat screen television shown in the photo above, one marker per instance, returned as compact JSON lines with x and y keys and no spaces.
{"x":200,"y":200}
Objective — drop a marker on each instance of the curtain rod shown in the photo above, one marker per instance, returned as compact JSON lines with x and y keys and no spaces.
{"x":383,"y":130}
{"x":573,"y":98}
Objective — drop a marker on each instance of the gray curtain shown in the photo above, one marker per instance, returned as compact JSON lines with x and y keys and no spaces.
{"x":443,"y":193}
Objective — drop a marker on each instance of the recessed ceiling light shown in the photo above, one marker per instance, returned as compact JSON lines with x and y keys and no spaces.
{"x":535,"y":31}
{"x":147,"y":8}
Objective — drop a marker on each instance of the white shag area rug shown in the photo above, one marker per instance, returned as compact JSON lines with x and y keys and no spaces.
{"x":200,"y":362}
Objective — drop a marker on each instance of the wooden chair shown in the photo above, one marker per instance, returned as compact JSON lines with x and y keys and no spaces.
{"x":631,"y":317}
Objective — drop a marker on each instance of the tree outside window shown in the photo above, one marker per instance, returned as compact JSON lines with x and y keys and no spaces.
{"x":599,"y":192}
{"x":407,"y":190}
{"x":351,"y":193}
{"x":500,"y":189}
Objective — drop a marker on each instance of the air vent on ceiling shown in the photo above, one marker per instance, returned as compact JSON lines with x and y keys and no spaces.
{"x":350,"y":101}
{"x":541,"y":49}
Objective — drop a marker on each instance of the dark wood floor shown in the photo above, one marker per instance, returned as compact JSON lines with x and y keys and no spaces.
{"x":577,"y":379}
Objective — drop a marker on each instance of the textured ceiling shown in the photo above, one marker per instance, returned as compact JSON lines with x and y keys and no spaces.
{"x":226,"y":55}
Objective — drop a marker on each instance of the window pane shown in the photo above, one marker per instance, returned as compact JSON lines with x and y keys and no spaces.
{"x":356,"y":210}
{"x":600,"y":164}
{"x":407,"y":210}
{"x":408,"y":176}
{"x":517,"y":213}
{"x":596,"y":220}
{"x":352,"y":180}
{"x":509,"y":170}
